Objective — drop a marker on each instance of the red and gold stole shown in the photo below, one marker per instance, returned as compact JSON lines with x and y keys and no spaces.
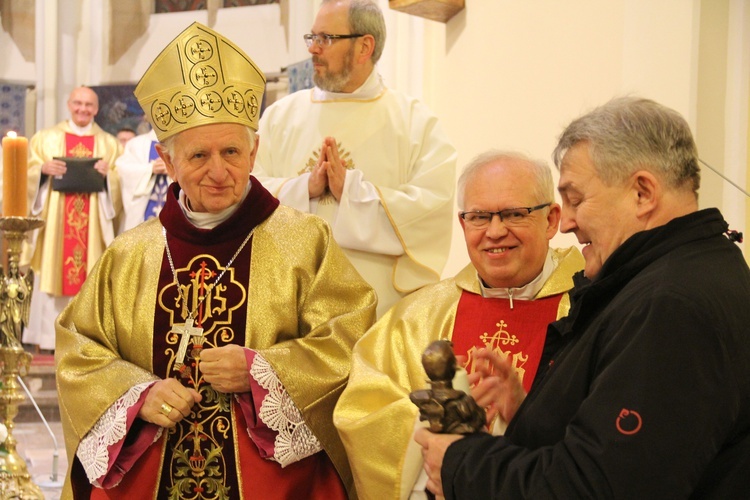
{"x":517,"y":333}
{"x":76,"y":221}
{"x":209,"y":454}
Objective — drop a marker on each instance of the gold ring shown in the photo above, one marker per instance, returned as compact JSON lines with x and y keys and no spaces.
{"x":166,"y":409}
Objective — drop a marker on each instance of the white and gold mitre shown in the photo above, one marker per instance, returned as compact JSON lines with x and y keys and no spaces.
{"x":200,"y":78}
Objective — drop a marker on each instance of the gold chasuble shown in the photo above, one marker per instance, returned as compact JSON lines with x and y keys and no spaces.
{"x":241,"y":283}
{"x":387,"y":361}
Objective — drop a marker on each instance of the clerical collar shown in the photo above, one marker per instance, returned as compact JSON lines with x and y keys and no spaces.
{"x":526,"y":292}
{"x":80,"y":130}
{"x":208,"y":220}
{"x":372,"y":88}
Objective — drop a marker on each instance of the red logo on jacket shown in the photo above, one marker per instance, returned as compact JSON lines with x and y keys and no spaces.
{"x":628,"y":422}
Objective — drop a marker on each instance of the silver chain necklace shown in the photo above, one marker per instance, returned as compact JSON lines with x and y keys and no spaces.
{"x":187,"y":329}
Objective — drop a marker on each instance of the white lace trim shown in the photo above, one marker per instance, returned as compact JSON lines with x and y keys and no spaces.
{"x":294,"y":440}
{"x":93,"y":452}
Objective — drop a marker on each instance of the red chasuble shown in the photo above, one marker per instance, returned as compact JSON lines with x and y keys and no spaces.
{"x":76,"y":223}
{"x":210,"y":454}
{"x":517,"y":333}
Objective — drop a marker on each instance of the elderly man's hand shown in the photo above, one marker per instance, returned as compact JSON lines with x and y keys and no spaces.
{"x":167,"y":402}
{"x":433,"y":450}
{"x":496,"y":385}
{"x":225,"y":368}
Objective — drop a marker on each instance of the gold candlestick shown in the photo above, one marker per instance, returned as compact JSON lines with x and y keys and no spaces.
{"x":15,"y":297}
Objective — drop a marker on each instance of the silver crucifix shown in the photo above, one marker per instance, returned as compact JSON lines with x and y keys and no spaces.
{"x":187,"y":330}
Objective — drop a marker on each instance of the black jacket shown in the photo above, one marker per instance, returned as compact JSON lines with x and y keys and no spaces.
{"x":648,"y":394}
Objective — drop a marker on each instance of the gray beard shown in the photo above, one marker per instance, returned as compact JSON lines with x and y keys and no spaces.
{"x":335,"y":82}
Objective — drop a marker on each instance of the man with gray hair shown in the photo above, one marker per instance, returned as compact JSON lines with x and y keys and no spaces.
{"x":649,"y":393}
{"x":205,"y":353}
{"x":498,"y":307}
{"x":368,"y":159}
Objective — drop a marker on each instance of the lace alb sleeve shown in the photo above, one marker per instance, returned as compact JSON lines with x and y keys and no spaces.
{"x":111,"y":428}
{"x":294,"y":440}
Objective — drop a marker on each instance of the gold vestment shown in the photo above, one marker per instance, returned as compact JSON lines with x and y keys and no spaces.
{"x":374,"y":416}
{"x":306,"y":311}
{"x":47,"y":255}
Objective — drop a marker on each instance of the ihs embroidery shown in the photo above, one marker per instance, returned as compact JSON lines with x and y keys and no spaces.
{"x":199,"y":458}
{"x":495,"y":343}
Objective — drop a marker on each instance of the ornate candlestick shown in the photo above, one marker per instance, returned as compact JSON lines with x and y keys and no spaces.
{"x":15,"y":297}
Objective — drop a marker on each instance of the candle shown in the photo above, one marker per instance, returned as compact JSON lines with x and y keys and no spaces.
{"x":15,"y":175}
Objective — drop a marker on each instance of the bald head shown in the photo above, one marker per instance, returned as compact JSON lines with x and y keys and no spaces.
{"x":83,"y":105}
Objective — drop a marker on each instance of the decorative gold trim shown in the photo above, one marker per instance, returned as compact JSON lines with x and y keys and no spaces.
{"x":406,"y":249}
{"x":346,"y":99}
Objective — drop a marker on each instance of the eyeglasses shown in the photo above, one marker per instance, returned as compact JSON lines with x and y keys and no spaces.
{"x":510,"y":216}
{"x":322,"y":40}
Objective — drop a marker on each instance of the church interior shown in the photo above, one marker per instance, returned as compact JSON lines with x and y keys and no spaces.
{"x":499,"y":74}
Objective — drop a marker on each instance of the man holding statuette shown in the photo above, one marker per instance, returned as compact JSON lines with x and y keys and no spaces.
{"x":648,"y":393}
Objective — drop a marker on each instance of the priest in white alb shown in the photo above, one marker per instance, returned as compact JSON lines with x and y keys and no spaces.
{"x":372,"y":161}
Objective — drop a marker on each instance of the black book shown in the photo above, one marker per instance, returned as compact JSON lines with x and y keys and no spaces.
{"x":81,"y":176}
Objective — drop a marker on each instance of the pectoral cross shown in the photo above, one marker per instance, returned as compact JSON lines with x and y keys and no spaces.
{"x":187,"y":330}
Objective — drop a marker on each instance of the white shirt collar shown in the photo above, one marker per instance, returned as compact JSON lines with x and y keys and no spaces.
{"x":370,"y":89}
{"x":80,"y":130}
{"x":526,"y":292}
{"x":208,"y":220}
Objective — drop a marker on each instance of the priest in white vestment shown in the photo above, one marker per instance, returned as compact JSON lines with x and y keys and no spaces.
{"x":371,"y":161}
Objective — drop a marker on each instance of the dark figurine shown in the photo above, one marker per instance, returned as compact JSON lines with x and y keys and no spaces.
{"x":448,"y":410}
